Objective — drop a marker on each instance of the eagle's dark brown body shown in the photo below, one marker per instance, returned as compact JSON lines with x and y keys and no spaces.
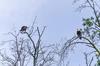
{"x":23,"y":28}
{"x":79,"y":34}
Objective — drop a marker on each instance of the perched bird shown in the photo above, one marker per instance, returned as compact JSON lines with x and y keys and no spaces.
{"x":79,"y":34}
{"x":23,"y":28}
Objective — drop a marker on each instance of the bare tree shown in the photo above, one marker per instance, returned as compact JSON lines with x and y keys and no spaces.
{"x":18,"y":54}
{"x":36,"y":50}
{"x":27,"y":48}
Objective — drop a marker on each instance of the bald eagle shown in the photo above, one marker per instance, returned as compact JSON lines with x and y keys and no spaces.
{"x":79,"y":34}
{"x":23,"y":28}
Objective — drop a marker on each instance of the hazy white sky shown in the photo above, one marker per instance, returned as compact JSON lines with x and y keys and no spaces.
{"x":15,"y":13}
{"x":58,"y":15}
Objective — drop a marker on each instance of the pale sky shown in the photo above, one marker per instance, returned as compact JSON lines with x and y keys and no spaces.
{"x":59,"y":16}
